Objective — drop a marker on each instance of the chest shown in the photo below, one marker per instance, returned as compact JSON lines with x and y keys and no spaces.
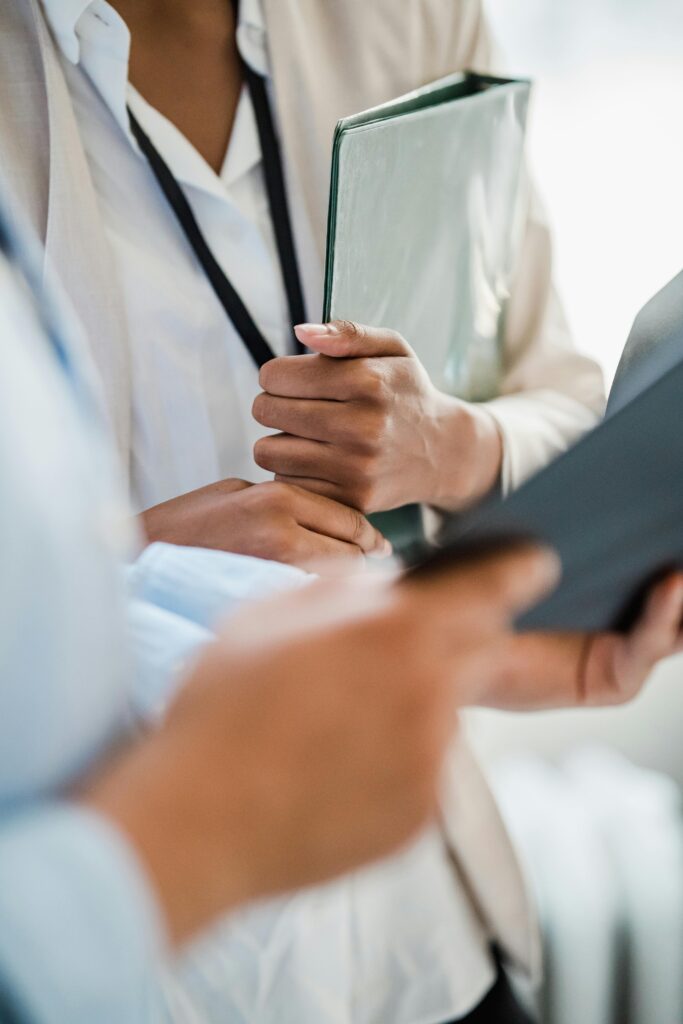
{"x":202,"y":106}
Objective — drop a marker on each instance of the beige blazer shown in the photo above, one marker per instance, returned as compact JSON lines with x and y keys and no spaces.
{"x":329,"y":58}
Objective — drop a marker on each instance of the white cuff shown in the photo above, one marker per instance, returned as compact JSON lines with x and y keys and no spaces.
{"x":204,"y":585}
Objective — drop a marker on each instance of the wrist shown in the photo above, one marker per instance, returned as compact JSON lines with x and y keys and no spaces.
{"x":467,"y":454}
{"x":540,"y":671}
{"x":153,"y":797}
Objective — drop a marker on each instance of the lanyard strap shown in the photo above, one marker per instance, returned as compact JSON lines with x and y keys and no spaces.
{"x":227,"y":295}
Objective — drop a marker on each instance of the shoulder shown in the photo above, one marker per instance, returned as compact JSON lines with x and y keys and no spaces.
{"x":409,"y":42}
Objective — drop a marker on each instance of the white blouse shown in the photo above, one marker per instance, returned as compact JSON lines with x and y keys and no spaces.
{"x":193,"y":380}
{"x":400,"y":942}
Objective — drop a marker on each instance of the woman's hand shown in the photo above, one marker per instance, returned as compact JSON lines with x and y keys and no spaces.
{"x":591,"y":669}
{"x":361,"y":422}
{"x":270,"y":520}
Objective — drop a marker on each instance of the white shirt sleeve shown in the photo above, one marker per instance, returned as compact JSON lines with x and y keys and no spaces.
{"x":205,"y":586}
{"x":81,"y":936}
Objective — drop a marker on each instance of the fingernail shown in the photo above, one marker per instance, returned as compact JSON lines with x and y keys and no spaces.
{"x":304,"y":331}
{"x":384,"y":548}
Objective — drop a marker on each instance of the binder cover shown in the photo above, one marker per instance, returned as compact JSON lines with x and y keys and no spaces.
{"x":612,"y":506}
{"x":423,"y":225}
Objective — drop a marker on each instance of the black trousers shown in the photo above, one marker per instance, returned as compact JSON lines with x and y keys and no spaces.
{"x":499,"y":1007}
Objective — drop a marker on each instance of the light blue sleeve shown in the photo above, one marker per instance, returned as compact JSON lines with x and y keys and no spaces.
{"x":81,"y":937}
{"x":205,"y":586}
{"x":176,"y":595}
{"x":163,"y":646}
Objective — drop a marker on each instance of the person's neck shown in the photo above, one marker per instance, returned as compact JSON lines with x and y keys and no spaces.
{"x":184,"y":61}
{"x":194,"y":17}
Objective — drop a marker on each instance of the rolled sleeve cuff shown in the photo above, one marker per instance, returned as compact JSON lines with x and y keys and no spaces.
{"x":82,"y":935}
{"x":164,"y":647}
{"x":205,"y":586}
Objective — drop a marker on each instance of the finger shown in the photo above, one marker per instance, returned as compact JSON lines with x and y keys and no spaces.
{"x":327,"y":488}
{"x":500,"y":585}
{"x":344,"y":339}
{"x":324,"y":555}
{"x":311,"y":377}
{"x":347,"y":492}
{"x":657,"y":633}
{"x":297,"y":456}
{"x":231,"y":486}
{"x":338,"y":522}
{"x":315,"y":420}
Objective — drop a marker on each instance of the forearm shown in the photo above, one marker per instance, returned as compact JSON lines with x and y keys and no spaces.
{"x":179,"y":799}
{"x":155,"y":798}
{"x":539,"y":672}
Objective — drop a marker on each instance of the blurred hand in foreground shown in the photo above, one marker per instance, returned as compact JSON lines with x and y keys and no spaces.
{"x":310,"y":737}
{"x":543,"y":671}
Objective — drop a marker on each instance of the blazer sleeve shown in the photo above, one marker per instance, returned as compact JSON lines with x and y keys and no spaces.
{"x":550,"y":393}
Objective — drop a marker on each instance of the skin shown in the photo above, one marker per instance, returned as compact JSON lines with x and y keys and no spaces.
{"x":394,"y":438}
{"x":310,"y":737}
{"x":170,"y":40}
{"x":546,"y":671}
{"x":272,"y":520}
{"x":317,"y":727}
{"x":328,"y":739}
{"x":361,"y":422}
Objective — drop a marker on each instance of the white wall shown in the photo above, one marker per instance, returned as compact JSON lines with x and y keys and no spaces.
{"x":606,"y":145}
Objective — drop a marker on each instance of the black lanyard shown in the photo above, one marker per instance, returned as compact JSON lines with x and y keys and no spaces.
{"x":228,"y":297}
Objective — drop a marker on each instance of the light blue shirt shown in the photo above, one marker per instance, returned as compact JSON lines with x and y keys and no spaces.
{"x":81,"y":936}
{"x":177,"y":596}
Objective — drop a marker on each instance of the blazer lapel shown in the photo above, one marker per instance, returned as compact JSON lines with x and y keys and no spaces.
{"x":76,"y":247}
{"x":24,"y":158}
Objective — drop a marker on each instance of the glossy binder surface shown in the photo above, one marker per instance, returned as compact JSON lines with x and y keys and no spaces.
{"x":424,"y":224}
{"x":613,"y":505}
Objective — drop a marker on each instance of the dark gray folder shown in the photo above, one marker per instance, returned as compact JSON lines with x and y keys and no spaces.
{"x":612,"y":506}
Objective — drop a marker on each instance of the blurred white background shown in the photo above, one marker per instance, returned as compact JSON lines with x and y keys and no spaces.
{"x":606,"y":146}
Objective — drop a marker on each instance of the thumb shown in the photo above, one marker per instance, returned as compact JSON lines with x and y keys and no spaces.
{"x":502,"y":582}
{"x":344,"y":339}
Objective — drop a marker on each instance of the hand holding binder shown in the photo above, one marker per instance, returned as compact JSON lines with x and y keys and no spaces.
{"x":362,"y":423}
{"x":612,"y":506}
{"x":421,"y":241}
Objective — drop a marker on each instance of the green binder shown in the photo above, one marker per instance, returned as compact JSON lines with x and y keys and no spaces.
{"x":424,"y":228}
